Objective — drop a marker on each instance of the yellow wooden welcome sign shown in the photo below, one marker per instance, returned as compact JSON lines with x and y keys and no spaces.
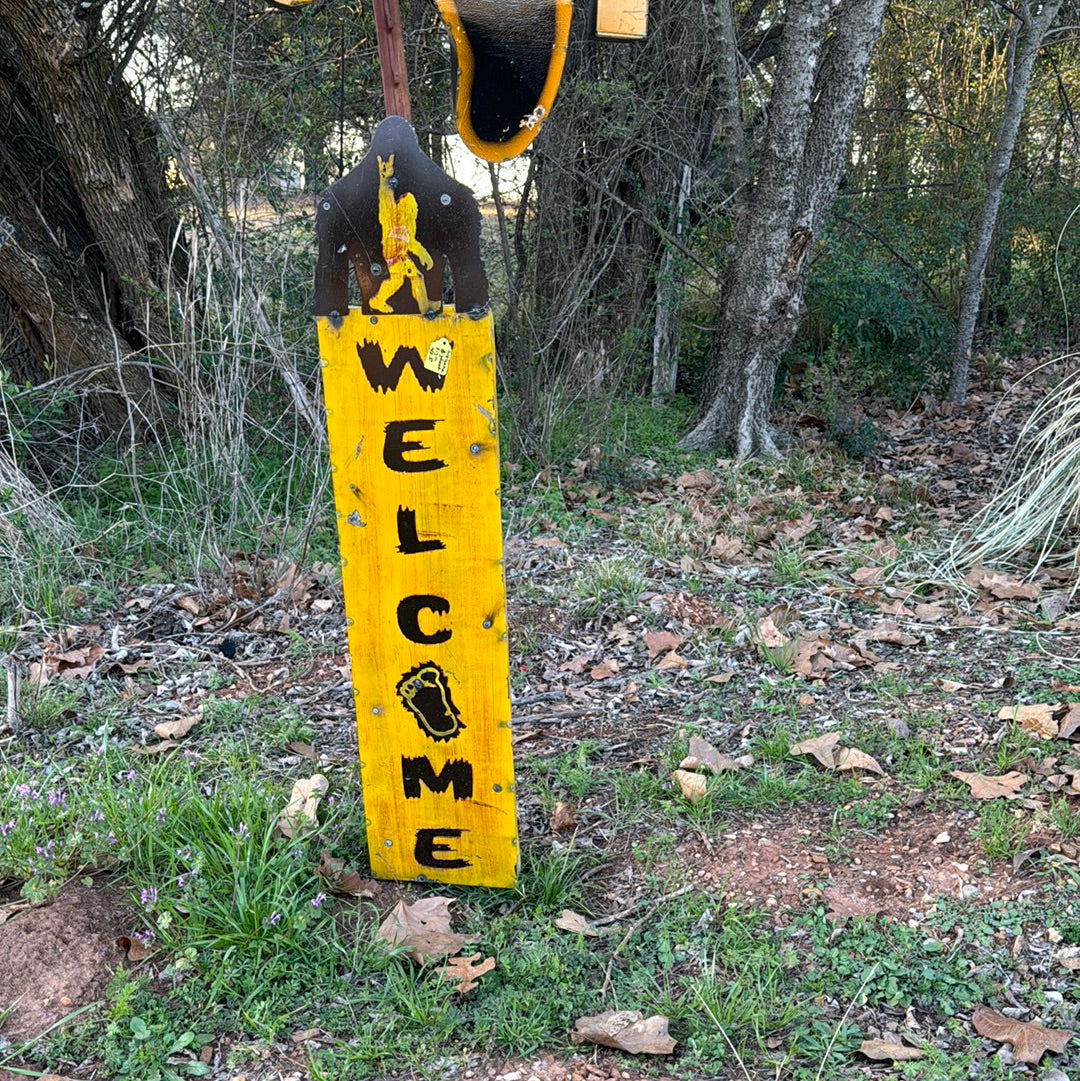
{"x":410,"y":403}
{"x":410,"y":408}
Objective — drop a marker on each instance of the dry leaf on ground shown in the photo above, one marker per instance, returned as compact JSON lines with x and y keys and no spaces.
{"x":341,"y":880}
{"x":853,"y":758}
{"x":302,"y":811}
{"x":467,"y":970}
{"x":625,"y":1030}
{"x":823,"y":748}
{"x":657,"y":642}
{"x":983,"y":787}
{"x":1068,"y":957}
{"x":604,"y":670}
{"x":1070,"y":723}
{"x":568,"y":920}
{"x":770,"y":635}
{"x":562,"y":817}
{"x":865,"y":576}
{"x":163,"y":747}
{"x":887,"y":1051}
{"x":692,"y":785}
{"x":421,"y":929}
{"x":672,"y":662}
{"x":176,"y":729}
{"x":703,"y":755}
{"x":13,"y":908}
{"x":1037,"y":719}
{"x":1029,"y":1040}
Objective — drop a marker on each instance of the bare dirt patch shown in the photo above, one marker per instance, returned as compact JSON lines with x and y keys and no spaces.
{"x":899,"y":871}
{"x":57,"y":957}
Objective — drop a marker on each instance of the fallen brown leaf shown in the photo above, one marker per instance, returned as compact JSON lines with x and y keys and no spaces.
{"x":304,"y":750}
{"x":341,"y":880}
{"x":625,"y":1030}
{"x":75,"y":663}
{"x":305,"y":1034}
{"x":175,"y":729}
{"x":703,"y":755}
{"x":421,"y":929}
{"x":983,"y":787}
{"x":657,"y":642}
{"x":302,"y":811}
{"x":891,"y":635}
{"x":1070,"y":723}
{"x":13,"y":908}
{"x":700,"y":478}
{"x":568,"y":920}
{"x":865,"y":576}
{"x":692,"y":785}
{"x":672,"y":662}
{"x":853,"y":758}
{"x":1030,"y":1041}
{"x":720,"y":677}
{"x":156,"y":748}
{"x":467,"y":970}
{"x":770,"y":635}
{"x":1038,"y":719}
{"x":562,"y":817}
{"x":823,"y":748}
{"x":604,"y":670}
{"x":887,"y":1051}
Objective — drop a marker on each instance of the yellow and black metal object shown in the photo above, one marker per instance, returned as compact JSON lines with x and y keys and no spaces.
{"x":409,"y":385}
{"x":509,"y":57}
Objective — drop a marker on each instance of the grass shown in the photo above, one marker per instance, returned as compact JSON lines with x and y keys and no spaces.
{"x":250,"y":945}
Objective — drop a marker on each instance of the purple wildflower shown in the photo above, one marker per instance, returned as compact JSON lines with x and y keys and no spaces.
{"x":318,"y":899}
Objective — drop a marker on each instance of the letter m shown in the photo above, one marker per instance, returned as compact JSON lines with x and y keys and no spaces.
{"x":457,"y":774}
{"x":386,"y":377}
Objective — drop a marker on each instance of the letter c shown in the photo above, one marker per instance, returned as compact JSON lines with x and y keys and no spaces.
{"x":408,"y":618}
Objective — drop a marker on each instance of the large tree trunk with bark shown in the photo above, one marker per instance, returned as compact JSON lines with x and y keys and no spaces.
{"x":824,"y":52}
{"x":88,"y":242}
{"x":1033,"y":20}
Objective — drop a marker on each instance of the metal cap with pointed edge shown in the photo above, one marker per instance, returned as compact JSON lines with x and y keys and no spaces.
{"x":509,"y":60}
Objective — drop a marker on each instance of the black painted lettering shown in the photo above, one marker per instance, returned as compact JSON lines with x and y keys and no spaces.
{"x":427,"y":846}
{"x":396,"y":445}
{"x":409,"y":542}
{"x":408,"y":618}
{"x":384,"y":377}
{"x":457,"y":773}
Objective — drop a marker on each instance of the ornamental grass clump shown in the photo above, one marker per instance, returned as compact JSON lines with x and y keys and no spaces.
{"x":1033,"y":518}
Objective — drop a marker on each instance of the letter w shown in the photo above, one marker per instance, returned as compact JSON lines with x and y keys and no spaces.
{"x":386,"y":377}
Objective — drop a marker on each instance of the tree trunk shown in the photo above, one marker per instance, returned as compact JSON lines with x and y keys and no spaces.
{"x":1028,"y":33}
{"x":88,"y":242}
{"x":824,"y":52}
{"x":665,"y":366}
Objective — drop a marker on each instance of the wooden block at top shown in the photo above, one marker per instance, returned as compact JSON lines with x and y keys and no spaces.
{"x":624,"y":19}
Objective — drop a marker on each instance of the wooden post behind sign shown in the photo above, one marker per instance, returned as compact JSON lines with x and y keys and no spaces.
{"x":410,"y":402}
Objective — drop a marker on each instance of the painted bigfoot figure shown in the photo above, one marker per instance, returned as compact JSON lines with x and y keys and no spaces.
{"x":397,"y":219}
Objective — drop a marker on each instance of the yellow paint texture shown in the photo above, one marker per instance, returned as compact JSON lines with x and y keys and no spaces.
{"x":411,"y":416}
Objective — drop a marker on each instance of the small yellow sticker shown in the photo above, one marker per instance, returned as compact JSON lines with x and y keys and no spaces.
{"x":438,"y":356}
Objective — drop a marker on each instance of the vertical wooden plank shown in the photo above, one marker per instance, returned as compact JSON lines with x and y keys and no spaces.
{"x":413,"y":431}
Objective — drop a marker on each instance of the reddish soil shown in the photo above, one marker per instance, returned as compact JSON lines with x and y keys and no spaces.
{"x":58,"y":957}
{"x":899,"y":872}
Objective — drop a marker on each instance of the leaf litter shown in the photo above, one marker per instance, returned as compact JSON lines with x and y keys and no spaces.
{"x":826,"y":639}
